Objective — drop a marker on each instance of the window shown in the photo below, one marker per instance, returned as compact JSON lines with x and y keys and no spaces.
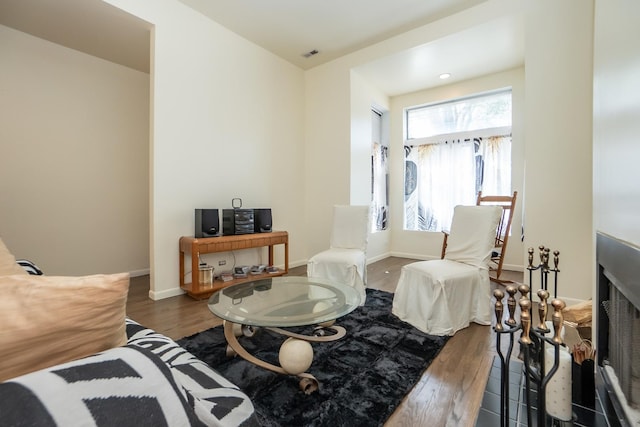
{"x":379,"y":175}
{"x":453,"y":150}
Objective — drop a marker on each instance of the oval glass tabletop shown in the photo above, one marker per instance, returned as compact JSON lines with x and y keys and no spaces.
{"x":284,"y":302}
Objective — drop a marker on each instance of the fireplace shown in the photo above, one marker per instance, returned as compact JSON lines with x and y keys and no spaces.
{"x":618,"y":327}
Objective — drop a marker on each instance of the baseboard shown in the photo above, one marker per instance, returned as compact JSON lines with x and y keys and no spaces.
{"x":378,"y":258}
{"x":422,"y":257}
{"x":513,"y":267}
{"x":294,"y":264}
{"x":138,"y":273}
{"x":510,"y":267}
{"x":165,"y":294}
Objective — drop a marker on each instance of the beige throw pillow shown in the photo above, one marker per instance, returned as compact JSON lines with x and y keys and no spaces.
{"x":8,"y":262}
{"x":47,"y":320}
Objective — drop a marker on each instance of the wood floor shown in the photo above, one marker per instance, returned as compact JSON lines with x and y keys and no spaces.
{"x":449,"y":392}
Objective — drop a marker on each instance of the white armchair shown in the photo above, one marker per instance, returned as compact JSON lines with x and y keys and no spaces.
{"x":346,"y":259}
{"x":440,"y":297}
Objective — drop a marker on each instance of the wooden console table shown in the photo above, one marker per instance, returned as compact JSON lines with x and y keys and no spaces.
{"x":196,"y":246}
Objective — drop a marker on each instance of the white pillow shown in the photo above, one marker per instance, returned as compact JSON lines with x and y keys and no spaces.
{"x":473,"y":233}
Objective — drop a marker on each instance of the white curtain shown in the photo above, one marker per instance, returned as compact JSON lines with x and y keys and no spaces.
{"x":379,"y":197}
{"x":451,"y":173}
{"x":496,"y":153}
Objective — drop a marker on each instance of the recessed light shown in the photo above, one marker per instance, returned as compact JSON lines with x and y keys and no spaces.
{"x":444,"y":76}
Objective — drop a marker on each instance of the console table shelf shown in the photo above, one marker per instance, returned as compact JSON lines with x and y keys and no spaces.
{"x":196,"y":246}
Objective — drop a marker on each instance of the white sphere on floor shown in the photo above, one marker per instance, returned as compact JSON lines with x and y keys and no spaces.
{"x":295,"y":356}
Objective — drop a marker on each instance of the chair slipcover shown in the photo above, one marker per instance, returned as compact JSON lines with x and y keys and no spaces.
{"x":345,"y":261}
{"x":440,"y":297}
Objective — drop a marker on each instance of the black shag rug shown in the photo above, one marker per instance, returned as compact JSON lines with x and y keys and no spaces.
{"x":363,"y":376}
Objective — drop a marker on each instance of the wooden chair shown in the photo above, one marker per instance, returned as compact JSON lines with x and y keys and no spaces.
{"x":508,"y":204}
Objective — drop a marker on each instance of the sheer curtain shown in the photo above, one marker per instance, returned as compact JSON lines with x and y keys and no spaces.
{"x":496,"y":154}
{"x":379,"y":189}
{"x":442,"y":175}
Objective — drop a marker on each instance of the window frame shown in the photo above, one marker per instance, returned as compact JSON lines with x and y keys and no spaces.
{"x":466,"y":135}
{"x":448,"y":135}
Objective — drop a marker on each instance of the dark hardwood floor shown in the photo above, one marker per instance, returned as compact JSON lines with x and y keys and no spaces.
{"x":449,"y":392}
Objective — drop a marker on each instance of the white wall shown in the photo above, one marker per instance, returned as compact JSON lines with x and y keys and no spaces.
{"x":333,"y":91}
{"x":426,"y":245}
{"x":206,"y":80}
{"x":616,"y":114}
{"x":616,"y":110}
{"x":555,"y":125}
{"x":363,"y":98}
{"x":74,"y":149}
{"x":227,"y":121}
{"x":557,"y":120}
{"x":327,"y":151}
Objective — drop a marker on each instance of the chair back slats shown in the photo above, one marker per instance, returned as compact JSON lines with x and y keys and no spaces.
{"x":508,"y":204}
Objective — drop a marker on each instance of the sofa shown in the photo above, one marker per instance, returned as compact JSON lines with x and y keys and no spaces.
{"x":69,"y":356}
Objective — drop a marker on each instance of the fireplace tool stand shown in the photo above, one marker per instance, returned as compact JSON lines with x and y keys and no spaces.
{"x":534,"y":342}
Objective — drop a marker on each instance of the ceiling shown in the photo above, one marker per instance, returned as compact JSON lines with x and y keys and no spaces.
{"x":289,"y":29}
{"x":89,"y":26}
{"x":495,"y":46}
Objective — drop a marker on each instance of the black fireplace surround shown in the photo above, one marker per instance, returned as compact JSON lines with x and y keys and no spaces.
{"x":618,"y":298}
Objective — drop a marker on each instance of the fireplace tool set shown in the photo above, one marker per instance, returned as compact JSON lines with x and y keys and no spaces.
{"x":546,"y":362}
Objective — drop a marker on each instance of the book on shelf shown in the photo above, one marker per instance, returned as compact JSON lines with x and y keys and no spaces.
{"x":225,"y":277}
{"x":258,"y":269}
{"x":272,"y":270}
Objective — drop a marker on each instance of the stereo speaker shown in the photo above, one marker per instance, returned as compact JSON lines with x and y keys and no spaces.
{"x":262,"y":220}
{"x":207,"y":223}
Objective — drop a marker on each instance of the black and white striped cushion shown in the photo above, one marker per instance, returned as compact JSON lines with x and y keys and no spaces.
{"x":123,"y":386}
{"x":29,"y":267}
{"x":215,"y":400}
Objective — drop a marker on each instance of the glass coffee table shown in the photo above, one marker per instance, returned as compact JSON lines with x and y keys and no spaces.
{"x":281,"y":302}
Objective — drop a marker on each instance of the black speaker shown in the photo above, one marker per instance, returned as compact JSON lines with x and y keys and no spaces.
{"x":207,"y":223}
{"x":262,"y":220}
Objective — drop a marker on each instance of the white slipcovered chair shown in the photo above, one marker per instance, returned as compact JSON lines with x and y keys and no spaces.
{"x":440,"y":297}
{"x":346,"y":259}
